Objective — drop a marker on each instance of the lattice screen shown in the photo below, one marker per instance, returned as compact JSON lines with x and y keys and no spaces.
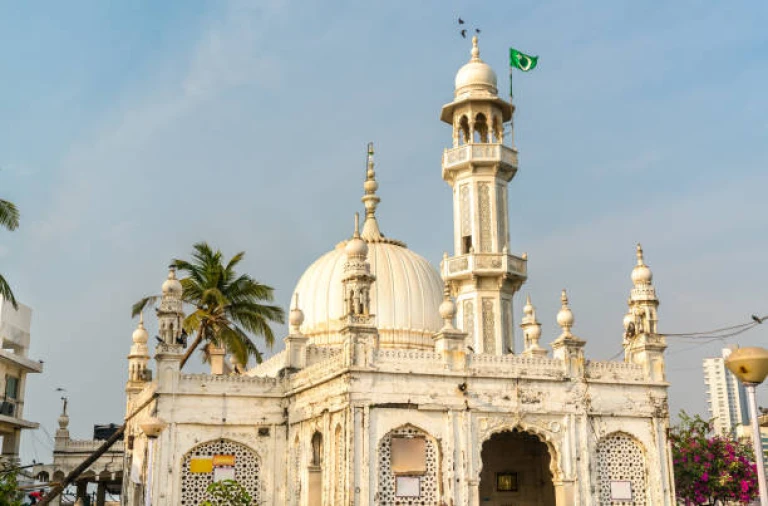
{"x":340,"y":461}
{"x":193,"y":485}
{"x":428,"y":482}
{"x":621,"y":458}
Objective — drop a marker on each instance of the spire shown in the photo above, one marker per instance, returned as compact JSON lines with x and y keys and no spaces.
{"x":475,"y":50}
{"x":639,"y":253}
{"x":531,"y":330}
{"x":370,"y":199}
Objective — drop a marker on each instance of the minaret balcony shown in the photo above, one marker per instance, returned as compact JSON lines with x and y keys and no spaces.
{"x":484,"y":264}
{"x":481,"y":154}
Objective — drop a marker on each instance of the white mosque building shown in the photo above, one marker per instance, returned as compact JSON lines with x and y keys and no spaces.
{"x":403,"y":385}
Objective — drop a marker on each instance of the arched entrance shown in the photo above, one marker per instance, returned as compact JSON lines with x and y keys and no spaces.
{"x":516,"y":470}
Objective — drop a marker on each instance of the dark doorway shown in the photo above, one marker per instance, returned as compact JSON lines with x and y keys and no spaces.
{"x":516,"y":471}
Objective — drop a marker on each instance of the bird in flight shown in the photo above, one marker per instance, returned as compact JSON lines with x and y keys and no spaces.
{"x":477,"y":30}
{"x":757,"y":319}
{"x":461,"y":21}
{"x":463,"y":34}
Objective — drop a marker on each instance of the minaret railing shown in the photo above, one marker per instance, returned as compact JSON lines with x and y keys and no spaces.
{"x":490,"y":152}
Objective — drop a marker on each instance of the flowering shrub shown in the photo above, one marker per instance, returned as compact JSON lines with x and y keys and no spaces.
{"x":710,"y":470}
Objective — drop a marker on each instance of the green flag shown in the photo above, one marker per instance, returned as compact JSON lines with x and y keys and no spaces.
{"x":522,"y":61}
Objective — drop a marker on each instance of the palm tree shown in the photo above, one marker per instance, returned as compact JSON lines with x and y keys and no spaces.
{"x":9,"y":218}
{"x":227,"y":306}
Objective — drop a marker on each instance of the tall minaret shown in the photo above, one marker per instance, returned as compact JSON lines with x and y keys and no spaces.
{"x":479,"y":166}
{"x":138,"y":374}
{"x":170,"y":314}
{"x":642,"y":343}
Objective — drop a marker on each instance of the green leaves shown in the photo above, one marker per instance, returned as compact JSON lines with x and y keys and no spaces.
{"x":227,"y":493}
{"x":228,"y":306}
{"x":710,"y":469}
{"x":9,"y":219}
{"x":9,"y":215}
{"x":9,"y":494}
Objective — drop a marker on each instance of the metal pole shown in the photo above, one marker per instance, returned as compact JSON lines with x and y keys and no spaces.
{"x":757,"y":443}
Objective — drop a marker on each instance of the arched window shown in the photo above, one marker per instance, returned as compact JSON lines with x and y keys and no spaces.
{"x":622,"y":472}
{"x":200,"y":470}
{"x":464,"y":130}
{"x":498,"y":130}
{"x":408,"y":468}
{"x":481,"y":128}
{"x":317,"y":449}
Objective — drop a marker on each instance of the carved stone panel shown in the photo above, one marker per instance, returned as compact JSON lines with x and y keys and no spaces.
{"x":485,"y":217}
{"x":489,"y":327}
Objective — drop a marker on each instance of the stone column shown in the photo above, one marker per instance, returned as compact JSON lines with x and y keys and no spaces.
{"x":101,"y":494}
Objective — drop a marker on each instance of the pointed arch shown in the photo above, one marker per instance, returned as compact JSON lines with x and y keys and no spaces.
{"x":464,"y":131}
{"x":621,"y":457}
{"x":423,"y":485}
{"x":480,"y":128}
{"x":247,"y":467}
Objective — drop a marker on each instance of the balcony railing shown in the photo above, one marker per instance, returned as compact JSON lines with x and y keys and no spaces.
{"x":485,"y":262}
{"x":479,"y":153}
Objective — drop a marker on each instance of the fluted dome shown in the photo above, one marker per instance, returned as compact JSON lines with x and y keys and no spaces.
{"x":476,"y":76}
{"x":404,"y":298}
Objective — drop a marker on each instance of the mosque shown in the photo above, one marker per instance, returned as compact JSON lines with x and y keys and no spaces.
{"x":401,"y":384}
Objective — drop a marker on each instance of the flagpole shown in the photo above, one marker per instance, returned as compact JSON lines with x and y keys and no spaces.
{"x":512,"y":116}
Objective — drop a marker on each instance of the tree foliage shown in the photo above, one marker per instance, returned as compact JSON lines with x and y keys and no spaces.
{"x":9,"y":493}
{"x":9,"y":219}
{"x":227,"y":493}
{"x":710,"y":470}
{"x":227,"y":306}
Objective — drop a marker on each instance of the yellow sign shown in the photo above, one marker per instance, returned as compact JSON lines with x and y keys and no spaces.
{"x":201,"y":465}
{"x":223,"y":460}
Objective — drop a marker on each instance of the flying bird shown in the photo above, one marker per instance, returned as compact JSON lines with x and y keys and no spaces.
{"x":463,"y":33}
{"x":757,"y":319}
{"x":61,"y":389}
{"x":470,"y":348}
{"x":461,"y":21}
{"x":477,"y":30}
{"x":159,"y":340}
{"x":510,"y":350}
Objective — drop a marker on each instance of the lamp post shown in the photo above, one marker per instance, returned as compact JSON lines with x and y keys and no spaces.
{"x":750,"y":365}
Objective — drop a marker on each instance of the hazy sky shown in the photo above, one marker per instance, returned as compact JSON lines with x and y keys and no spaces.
{"x":131,"y":130}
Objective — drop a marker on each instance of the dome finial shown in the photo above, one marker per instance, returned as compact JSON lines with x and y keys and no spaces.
{"x":357,"y":226}
{"x":475,"y":49}
{"x":370,"y":199}
{"x":641,"y":274}
{"x":640,"y":260}
{"x":296,"y":316}
{"x":565,"y":316}
{"x":447,"y":307}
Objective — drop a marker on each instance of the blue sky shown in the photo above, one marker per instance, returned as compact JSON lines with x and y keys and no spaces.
{"x":130,"y":130}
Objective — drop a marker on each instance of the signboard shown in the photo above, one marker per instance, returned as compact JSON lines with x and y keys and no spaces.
{"x":223,"y":473}
{"x":200,"y":465}
{"x":621,"y":490}
{"x":223,"y":460}
{"x":408,"y":455}
{"x":407,"y":486}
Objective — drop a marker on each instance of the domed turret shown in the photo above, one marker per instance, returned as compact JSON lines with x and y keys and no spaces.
{"x":140,"y":335}
{"x":641,"y":274}
{"x":476,"y":77}
{"x":172,"y":286}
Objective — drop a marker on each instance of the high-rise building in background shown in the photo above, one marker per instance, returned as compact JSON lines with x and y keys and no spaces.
{"x":727,"y":398}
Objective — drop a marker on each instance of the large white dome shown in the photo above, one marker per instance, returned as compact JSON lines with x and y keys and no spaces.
{"x":405,"y":296}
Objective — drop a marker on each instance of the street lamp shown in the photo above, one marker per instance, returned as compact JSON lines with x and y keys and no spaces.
{"x":750,"y":365}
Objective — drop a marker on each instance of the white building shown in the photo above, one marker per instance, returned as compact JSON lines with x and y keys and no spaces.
{"x":14,"y":367}
{"x":400,"y":385}
{"x":726,"y":396}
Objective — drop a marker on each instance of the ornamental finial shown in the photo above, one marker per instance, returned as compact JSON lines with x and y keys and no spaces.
{"x":370,"y":199}
{"x":475,"y":49}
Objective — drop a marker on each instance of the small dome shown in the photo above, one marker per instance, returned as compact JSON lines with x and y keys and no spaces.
{"x":476,"y":75}
{"x":641,"y":274}
{"x":63,"y":421}
{"x":172,"y":286}
{"x":140,"y":335}
{"x":356,"y":247}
